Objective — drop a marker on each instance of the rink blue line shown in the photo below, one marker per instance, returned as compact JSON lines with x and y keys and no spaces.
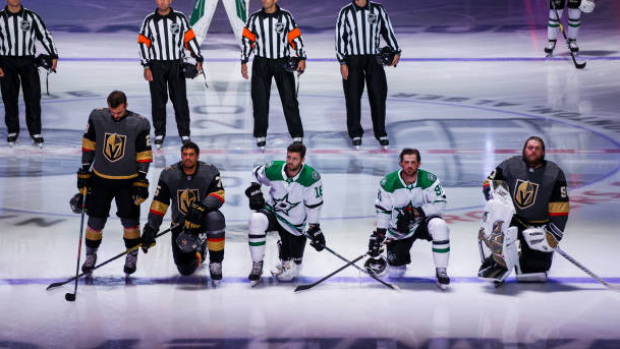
{"x":179,"y":280}
{"x":430,"y":59}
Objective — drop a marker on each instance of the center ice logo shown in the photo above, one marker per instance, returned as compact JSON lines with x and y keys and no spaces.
{"x":114,"y":148}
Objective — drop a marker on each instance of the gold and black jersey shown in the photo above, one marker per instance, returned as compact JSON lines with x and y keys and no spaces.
{"x":119,"y":149}
{"x":179,"y":190}
{"x":539,"y":195}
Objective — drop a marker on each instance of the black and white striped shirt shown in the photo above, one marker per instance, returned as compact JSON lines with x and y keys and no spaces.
{"x":271,"y":35}
{"x":19,"y":31}
{"x":163,"y":38}
{"x":359,"y":30}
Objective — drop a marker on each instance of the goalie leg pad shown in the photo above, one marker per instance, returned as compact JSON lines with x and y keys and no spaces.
{"x":497,"y":242}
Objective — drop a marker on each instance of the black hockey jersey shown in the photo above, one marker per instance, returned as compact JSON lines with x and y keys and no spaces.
{"x":539,"y":195}
{"x":120,"y":149}
{"x":205,"y":186}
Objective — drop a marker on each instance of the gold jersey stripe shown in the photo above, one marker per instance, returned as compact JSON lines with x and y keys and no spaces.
{"x":144,"y":156}
{"x":87,"y":144}
{"x":559,"y":207}
{"x":219,"y":193}
{"x":159,"y":207}
{"x":114,"y":177}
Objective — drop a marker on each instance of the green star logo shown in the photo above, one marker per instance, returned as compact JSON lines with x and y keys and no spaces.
{"x":284,"y":205}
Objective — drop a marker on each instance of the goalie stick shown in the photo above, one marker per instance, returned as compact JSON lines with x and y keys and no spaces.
{"x":586,"y":270}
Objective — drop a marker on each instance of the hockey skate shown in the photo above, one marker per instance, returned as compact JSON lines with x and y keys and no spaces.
{"x":131,"y":261}
{"x":550,"y":47}
{"x":185,"y":139}
{"x":442,"y":278}
{"x":298,"y":140}
{"x":286,"y":272}
{"x":11,"y":139}
{"x":384,"y":142}
{"x":357,"y":142}
{"x":532,"y":277}
{"x":215,"y":269}
{"x":256,"y":273}
{"x":572,"y":46}
{"x":89,"y":264}
{"x":38,"y":141}
{"x":261,"y":142}
{"x":159,"y":142}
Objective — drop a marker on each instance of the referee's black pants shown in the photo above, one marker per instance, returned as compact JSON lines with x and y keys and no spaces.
{"x":22,"y":69}
{"x":263,"y":70}
{"x":168,"y":77}
{"x":365,"y":67}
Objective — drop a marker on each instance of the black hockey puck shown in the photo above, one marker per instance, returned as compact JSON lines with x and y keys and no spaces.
{"x":70,"y":297}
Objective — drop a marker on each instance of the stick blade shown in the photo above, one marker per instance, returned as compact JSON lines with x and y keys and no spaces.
{"x":303,"y":287}
{"x":54,"y":285}
{"x":580,"y":65}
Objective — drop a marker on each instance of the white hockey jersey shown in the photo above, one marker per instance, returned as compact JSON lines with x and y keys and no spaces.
{"x":394,"y":196}
{"x":294,"y":201}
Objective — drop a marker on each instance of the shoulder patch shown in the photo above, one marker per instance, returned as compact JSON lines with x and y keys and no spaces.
{"x":269,"y":164}
{"x":431,"y":177}
{"x":383,"y":181}
{"x":316,"y":176}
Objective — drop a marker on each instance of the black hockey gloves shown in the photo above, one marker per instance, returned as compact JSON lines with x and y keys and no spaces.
{"x":140,"y":190}
{"x":375,"y":242}
{"x":318,"y":239}
{"x":257,"y":201}
{"x":148,"y":238}
{"x":84,"y":180}
{"x":195,"y":216}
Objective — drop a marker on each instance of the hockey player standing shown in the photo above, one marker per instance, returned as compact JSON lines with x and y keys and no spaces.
{"x":271,"y":34}
{"x":409,"y":207}
{"x":19,"y":27}
{"x":117,"y":143}
{"x":196,"y":192}
{"x":164,"y":36}
{"x":575,"y":7}
{"x":358,"y":33}
{"x":295,"y":198}
{"x":541,"y":205}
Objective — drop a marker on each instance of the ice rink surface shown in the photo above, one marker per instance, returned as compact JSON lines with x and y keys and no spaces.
{"x":473,"y":84}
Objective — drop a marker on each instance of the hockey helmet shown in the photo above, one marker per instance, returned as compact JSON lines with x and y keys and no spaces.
{"x":386,"y":55}
{"x":291,"y":64}
{"x":189,"y":241}
{"x":376,"y":266}
{"x":43,"y":61}
{"x":587,"y":6}
{"x":190,"y":70}
{"x":76,"y":203}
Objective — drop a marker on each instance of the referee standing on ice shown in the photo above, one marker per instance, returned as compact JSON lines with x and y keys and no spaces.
{"x":19,"y":27}
{"x":163,"y":36}
{"x":271,"y":33}
{"x":358,"y":32}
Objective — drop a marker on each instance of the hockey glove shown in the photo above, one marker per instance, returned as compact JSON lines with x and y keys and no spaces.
{"x":140,"y":190}
{"x":257,"y":201}
{"x":84,"y":180}
{"x":194,"y":217}
{"x":148,"y":238}
{"x":404,"y":220}
{"x":318,"y":239}
{"x":375,"y":243}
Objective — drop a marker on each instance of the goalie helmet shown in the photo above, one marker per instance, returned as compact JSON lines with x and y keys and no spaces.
{"x":291,"y":64}
{"x":76,"y":203}
{"x":43,"y":61}
{"x":190,"y":70}
{"x":386,"y":55}
{"x":376,"y":266}
{"x":587,"y":6}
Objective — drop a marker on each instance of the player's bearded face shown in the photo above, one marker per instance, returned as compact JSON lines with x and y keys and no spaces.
{"x":189,"y":157}
{"x":293,"y":162}
{"x":410,"y":164}
{"x":533,"y":154}
{"x":118,"y":112}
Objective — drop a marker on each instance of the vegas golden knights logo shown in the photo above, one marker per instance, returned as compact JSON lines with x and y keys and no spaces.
{"x":525,"y":193}
{"x":185,"y":199}
{"x":114,"y":146}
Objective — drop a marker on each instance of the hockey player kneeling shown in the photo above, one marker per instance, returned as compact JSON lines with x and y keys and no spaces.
{"x":294,"y":200}
{"x":527,"y":202}
{"x":196,"y":192}
{"x":409,"y":207}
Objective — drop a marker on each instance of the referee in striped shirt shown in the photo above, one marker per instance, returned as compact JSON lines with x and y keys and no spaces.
{"x":272,"y":35}
{"x":360,"y":26}
{"x":19,"y":28}
{"x":163,"y":37}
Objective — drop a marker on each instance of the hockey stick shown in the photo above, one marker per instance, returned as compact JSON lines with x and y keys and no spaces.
{"x":586,"y":270}
{"x":387,"y":284}
{"x":56,"y":284}
{"x":572,"y":55}
{"x":70,"y":297}
{"x":309,"y":286}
